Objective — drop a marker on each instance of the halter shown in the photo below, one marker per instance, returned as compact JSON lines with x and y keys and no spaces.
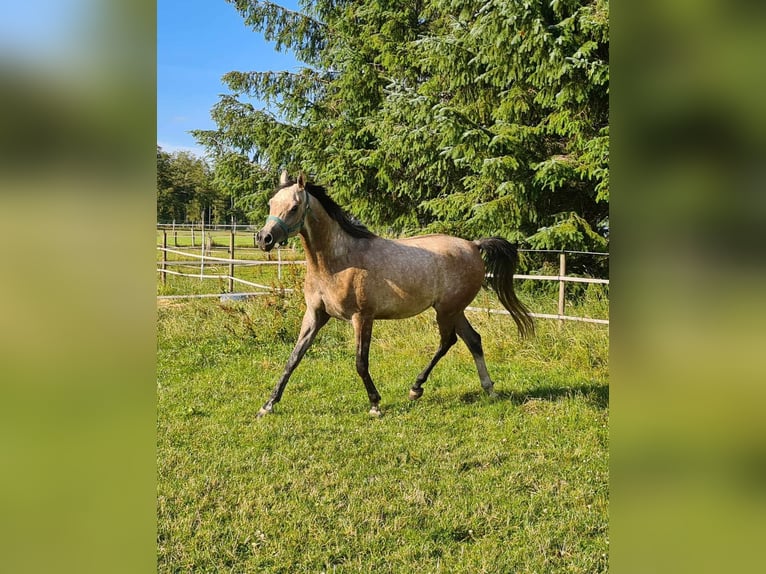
{"x":298,"y":226}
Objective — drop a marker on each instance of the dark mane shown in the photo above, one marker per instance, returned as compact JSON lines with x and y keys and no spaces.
{"x":348,"y":223}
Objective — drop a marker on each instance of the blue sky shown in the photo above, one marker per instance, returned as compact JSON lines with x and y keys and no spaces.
{"x":197,"y":43}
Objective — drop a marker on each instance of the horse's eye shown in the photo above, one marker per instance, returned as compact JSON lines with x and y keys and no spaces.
{"x":293,"y":209}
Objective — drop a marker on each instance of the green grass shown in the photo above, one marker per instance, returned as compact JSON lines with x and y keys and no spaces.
{"x":455,"y":482}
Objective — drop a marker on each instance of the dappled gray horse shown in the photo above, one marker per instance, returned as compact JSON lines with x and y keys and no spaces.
{"x":354,"y":275}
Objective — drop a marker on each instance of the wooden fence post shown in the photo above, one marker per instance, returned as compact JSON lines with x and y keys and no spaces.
{"x":164,"y":254}
{"x":202,"y":248}
{"x":562,"y":284}
{"x":231,"y":263}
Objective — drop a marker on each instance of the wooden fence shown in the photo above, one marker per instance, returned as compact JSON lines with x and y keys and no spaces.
{"x":208,"y":244}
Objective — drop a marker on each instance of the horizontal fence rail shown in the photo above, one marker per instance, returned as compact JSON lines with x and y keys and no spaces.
{"x":564,"y":278}
{"x":560,"y":317}
{"x":203,"y":260}
{"x":210,"y":260}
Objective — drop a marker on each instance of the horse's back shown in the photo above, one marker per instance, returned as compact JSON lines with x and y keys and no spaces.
{"x":442,"y":245}
{"x":449,"y":254}
{"x":415,"y":273}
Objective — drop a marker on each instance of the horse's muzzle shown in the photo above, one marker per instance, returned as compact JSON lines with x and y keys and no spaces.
{"x":265,"y":240}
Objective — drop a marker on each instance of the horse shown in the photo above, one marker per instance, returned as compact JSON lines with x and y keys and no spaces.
{"x":355,"y":275}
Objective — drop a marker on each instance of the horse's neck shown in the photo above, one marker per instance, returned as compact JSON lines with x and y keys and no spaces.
{"x":327,"y":246}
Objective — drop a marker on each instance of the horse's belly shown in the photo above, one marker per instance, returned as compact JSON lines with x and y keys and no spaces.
{"x":397,"y":301}
{"x":379,"y":299}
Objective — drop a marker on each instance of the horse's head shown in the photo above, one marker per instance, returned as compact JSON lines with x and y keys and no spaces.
{"x":288,"y":209}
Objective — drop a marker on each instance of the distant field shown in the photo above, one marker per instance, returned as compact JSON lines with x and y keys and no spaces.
{"x":243,"y":250}
{"x":455,"y":482}
{"x":183,"y":238}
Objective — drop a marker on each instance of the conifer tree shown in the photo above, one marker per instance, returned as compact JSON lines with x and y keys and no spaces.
{"x":471,"y":117}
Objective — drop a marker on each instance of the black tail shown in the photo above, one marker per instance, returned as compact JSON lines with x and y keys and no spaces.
{"x":500,"y":259}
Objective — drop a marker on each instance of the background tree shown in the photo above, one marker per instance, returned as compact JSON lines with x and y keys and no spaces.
{"x":167,"y":207}
{"x":187,"y":187}
{"x":472,"y":117}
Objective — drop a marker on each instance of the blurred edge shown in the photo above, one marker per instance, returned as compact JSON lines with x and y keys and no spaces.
{"x":77,"y":407}
{"x":77,"y":178}
{"x":688,"y":459}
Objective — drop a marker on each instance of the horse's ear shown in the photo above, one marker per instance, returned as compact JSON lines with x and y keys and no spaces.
{"x":301,"y":180}
{"x":284,"y":179}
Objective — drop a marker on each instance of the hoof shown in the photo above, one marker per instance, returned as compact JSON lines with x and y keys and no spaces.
{"x":375,"y":412}
{"x":415,"y":394}
{"x":263,"y":412}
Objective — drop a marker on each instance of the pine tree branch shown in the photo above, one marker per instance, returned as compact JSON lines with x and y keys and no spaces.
{"x":290,"y":29}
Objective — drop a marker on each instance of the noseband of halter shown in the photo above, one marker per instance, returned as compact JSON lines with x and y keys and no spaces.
{"x":289,"y":230}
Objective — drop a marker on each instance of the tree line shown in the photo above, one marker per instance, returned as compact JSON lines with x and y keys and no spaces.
{"x":468,"y":117}
{"x":187,"y":191}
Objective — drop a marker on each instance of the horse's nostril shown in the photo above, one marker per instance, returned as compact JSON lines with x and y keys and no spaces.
{"x":268,"y":239}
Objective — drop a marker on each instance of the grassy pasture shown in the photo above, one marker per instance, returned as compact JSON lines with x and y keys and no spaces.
{"x":455,"y":482}
{"x":182,"y":238}
{"x":262,"y":274}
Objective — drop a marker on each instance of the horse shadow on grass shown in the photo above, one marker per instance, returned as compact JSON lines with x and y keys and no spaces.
{"x":597,"y":394}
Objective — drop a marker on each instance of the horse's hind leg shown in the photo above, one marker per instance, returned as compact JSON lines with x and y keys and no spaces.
{"x":473,"y":342}
{"x":448,"y":338}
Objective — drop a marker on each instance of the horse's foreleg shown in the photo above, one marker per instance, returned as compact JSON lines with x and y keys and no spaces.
{"x":473,"y":341}
{"x":448,"y":338}
{"x":363,"y":333}
{"x":313,"y":320}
